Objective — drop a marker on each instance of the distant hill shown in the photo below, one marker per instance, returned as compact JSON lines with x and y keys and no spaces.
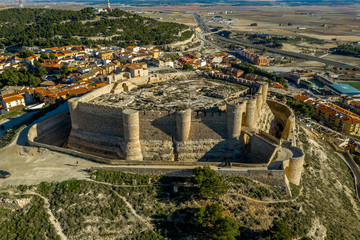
{"x":214,"y":2}
{"x":48,"y":27}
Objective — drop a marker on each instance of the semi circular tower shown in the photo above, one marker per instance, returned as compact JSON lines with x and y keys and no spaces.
{"x":259,"y":103}
{"x":251,"y":111}
{"x":234,"y":119}
{"x":183,"y":124}
{"x":294,"y":166}
{"x":264,"y":90}
{"x":132,"y":135}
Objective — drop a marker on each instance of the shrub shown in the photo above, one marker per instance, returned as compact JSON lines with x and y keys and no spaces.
{"x":279,"y":231}
{"x":210,"y":185}
{"x":213,"y":225}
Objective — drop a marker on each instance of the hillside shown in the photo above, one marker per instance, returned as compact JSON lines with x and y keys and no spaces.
{"x":324,"y":206}
{"x":48,"y":27}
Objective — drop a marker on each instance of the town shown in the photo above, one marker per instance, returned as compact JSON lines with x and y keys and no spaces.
{"x":147,"y":122}
{"x":74,"y":70}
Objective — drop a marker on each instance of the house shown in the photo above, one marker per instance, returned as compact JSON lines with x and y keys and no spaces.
{"x":163,"y":62}
{"x":12,"y":102}
{"x":255,"y":58}
{"x":47,"y":84}
{"x":30,"y":97}
{"x":261,"y":61}
{"x":52,"y":66}
{"x":137,"y":69}
{"x":134,"y":49}
{"x":106,"y":55}
{"x":234,"y":71}
{"x":30,"y":60}
{"x":84,"y":69}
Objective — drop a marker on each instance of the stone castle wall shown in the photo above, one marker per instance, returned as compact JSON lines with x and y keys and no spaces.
{"x":54,"y":130}
{"x":294,"y":166}
{"x":182,"y":136}
{"x":207,"y":132}
{"x":285,"y":116}
{"x":268,"y":149}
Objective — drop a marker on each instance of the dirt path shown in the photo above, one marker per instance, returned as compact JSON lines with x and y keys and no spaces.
{"x":268,"y":202}
{"x":52,"y":218}
{"x":132,"y":210}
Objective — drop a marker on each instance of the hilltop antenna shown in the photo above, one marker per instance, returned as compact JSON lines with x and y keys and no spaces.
{"x":108,"y":6}
{"x":21,"y":5}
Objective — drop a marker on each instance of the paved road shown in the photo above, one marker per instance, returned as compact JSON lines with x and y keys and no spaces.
{"x":206,"y":29}
{"x":354,"y":171}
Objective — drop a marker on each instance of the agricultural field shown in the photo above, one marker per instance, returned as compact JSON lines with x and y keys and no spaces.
{"x":355,"y":84}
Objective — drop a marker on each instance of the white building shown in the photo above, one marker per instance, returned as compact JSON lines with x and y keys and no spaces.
{"x":11,"y":102}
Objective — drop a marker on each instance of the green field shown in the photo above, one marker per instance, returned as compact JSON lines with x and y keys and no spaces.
{"x":355,"y":84}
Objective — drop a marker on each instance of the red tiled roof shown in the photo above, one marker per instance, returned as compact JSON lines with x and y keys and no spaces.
{"x":14,"y":98}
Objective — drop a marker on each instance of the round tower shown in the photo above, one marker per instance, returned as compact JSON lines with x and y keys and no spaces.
{"x":132,"y":135}
{"x":294,"y":166}
{"x":259,"y":103}
{"x":183,"y":124}
{"x":251,"y":112}
{"x":234,"y":119}
{"x":264,"y":91}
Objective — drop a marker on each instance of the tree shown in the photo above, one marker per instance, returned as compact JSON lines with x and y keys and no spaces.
{"x":188,"y":67}
{"x":211,"y":223}
{"x":206,"y":217}
{"x":305,"y":109}
{"x":210,"y":185}
{"x":357,"y":159}
{"x":26,"y":54}
{"x":39,"y":69}
{"x":279,"y":231}
{"x":64,"y":69}
{"x":34,"y":81}
{"x":52,"y":56}
{"x":13,"y":77}
{"x":44,"y":55}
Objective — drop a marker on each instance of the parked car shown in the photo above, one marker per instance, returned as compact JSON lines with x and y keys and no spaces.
{"x":4,"y":174}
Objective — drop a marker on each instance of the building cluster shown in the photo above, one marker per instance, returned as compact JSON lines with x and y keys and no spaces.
{"x":88,"y":69}
{"x":219,"y":19}
{"x":133,"y":54}
{"x":252,"y":57}
{"x":221,"y":60}
{"x":299,"y":78}
{"x":333,"y":115}
{"x":306,"y":79}
{"x":28,"y":98}
{"x":192,"y":60}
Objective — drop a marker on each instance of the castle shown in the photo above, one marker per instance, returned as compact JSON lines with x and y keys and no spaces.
{"x":209,"y":118}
